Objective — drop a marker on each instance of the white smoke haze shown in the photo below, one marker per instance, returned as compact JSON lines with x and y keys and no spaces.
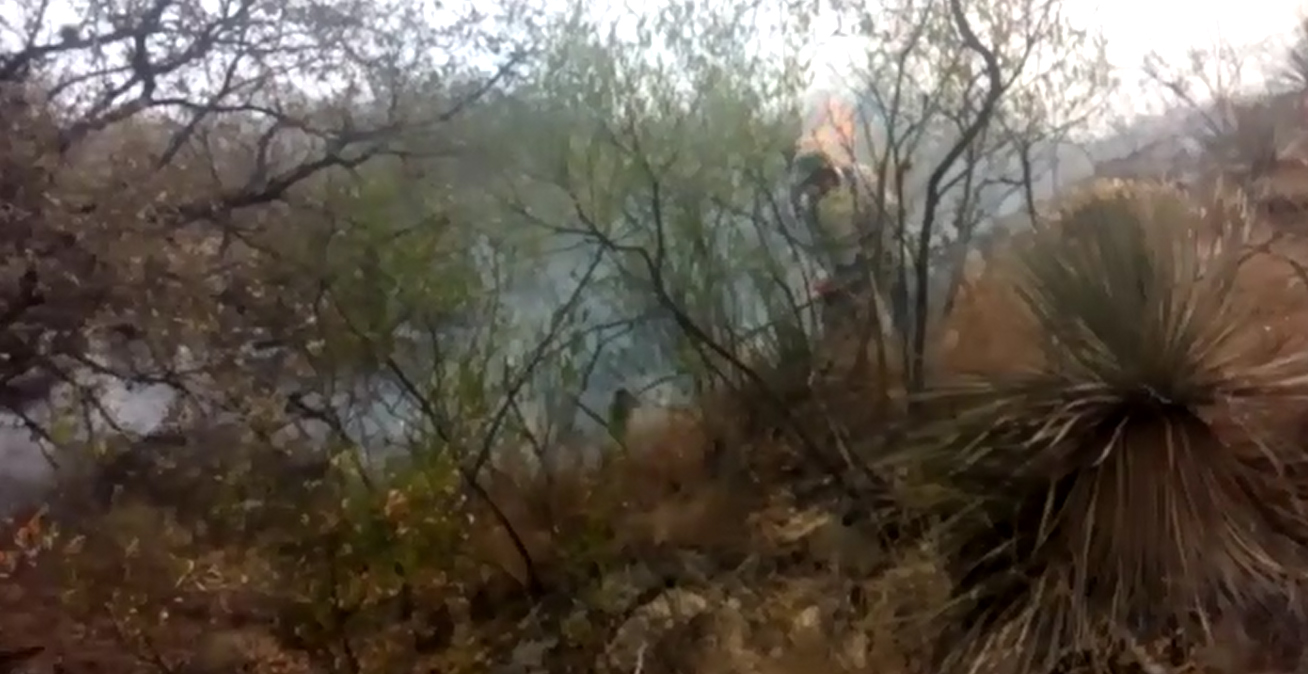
{"x":1142,"y":128}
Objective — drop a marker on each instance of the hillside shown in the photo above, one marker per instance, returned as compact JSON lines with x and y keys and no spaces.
{"x":350,"y":337}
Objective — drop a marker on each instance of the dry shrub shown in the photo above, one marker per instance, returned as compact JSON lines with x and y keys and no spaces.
{"x":1119,"y":455}
{"x":701,"y":480}
{"x":1272,"y":284}
{"x":423,"y":572}
{"x":985,"y":332}
{"x":1282,"y":193}
{"x":657,"y":491}
{"x":138,"y":590}
{"x":991,"y":332}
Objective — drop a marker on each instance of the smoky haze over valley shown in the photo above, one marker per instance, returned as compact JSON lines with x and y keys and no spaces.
{"x":1149,"y":145}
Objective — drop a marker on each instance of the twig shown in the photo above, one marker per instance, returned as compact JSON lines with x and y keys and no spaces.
{"x":640,"y":660}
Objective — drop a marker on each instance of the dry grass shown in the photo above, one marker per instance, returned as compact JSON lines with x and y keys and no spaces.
{"x":988,"y":331}
{"x":777,"y":586}
{"x":761,"y":585}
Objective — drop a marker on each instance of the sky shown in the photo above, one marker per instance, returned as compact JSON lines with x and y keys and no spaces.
{"x":1134,"y":27}
{"x":1171,"y":28}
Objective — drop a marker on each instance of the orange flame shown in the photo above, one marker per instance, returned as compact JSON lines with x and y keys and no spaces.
{"x":834,"y":133}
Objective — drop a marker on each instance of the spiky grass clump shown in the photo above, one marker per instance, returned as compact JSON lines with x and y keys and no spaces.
{"x":1125,"y":478}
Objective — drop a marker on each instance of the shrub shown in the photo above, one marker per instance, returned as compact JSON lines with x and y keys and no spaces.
{"x":1130,"y":474}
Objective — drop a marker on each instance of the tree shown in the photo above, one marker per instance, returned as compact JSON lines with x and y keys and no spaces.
{"x":155,"y":153}
{"x":965,"y":108}
{"x":713,"y":125}
{"x":972,"y":142}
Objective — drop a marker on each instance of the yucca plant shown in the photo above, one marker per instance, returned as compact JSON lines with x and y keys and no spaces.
{"x":1133,"y":473}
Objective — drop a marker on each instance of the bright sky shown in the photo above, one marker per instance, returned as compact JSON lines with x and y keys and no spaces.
{"x":1171,"y":27}
{"x":1135,"y":28}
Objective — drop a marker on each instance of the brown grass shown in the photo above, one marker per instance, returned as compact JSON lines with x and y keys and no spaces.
{"x":788,"y":591}
{"x":989,"y":332}
{"x":645,"y":512}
